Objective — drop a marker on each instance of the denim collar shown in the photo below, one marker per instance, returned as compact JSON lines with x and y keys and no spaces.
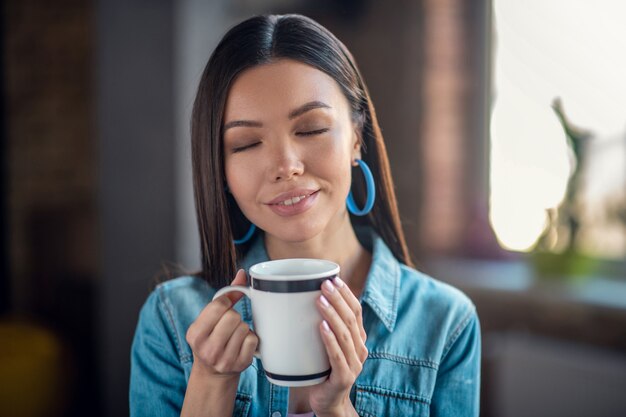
{"x":382,"y":287}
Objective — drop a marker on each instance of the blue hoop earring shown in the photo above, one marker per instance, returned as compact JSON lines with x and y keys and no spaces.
{"x":248,"y":235}
{"x":371,"y":192}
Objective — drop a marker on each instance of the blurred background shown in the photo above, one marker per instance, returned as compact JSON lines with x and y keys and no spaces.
{"x":505,"y":123}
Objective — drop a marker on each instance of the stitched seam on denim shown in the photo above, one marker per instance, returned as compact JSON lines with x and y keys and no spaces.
{"x":245,"y":310}
{"x":167,"y":308}
{"x":406,"y":361}
{"x":356,"y":403}
{"x":243,"y":396}
{"x":246,"y":399}
{"x":379,"y":312}
{"x":396,"y":295}
{"x":271,"y":403}
{"x":456,"y":333}
{"x":393,"y":394}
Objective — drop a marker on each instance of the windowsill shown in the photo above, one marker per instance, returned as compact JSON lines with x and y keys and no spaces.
{"x":519,"y":277}
{"x":509,"y":296}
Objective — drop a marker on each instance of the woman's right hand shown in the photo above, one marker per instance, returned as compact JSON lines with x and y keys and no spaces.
{"x":222,"y":343}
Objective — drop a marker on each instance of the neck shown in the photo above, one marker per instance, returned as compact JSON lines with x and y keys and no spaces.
{"x":339,"y":245}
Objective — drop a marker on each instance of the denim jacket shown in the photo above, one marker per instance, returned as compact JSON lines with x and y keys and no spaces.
{"x":423,"y":338}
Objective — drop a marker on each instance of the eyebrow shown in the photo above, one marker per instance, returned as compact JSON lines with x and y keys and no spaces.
{"x":242,"y":123}
{"x":312,"y":105}
{"x":307,"y":107}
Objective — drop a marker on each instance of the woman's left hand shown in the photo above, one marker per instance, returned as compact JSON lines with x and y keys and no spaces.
{"x":344,"y":338}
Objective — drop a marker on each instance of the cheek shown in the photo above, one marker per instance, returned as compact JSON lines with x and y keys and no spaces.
{"x":240,"y":181}
{"x":336,"y":161}
{"x":333,"y":167}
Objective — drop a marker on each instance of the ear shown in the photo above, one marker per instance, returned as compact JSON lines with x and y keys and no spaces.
{"x":357,"y":140}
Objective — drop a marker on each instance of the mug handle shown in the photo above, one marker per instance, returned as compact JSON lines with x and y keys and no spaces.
{"x":233,"y":288}
{"x":246,"y":292}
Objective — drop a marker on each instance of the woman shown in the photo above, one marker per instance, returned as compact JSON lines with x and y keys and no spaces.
{"x":283,"y":133}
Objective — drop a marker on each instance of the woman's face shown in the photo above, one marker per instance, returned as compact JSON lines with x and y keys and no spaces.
{"x":289,"y":143}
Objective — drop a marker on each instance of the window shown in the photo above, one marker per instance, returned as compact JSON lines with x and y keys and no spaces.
{"x":549,"y":57}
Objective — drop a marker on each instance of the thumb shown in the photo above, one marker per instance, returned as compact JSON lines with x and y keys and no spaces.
{"x":240,"y":279}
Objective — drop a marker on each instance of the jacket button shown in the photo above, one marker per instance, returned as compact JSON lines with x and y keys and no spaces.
{"x":276,"y":414}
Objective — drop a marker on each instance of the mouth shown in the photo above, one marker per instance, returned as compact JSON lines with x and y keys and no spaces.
{"x":292,"y":197}
{"x":293,"y":202}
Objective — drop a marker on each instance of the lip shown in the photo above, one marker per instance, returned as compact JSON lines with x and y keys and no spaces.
{"x":295,"y":208}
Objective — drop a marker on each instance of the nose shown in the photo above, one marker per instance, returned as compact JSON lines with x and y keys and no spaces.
{"x":286,"y":163}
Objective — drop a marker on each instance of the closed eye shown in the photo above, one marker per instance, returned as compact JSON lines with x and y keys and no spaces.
{"x":313,"y":132}
{"x":243,"y":148}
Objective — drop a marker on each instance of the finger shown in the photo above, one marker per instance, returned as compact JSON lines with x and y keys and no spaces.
{"x":225,"y":327}
{"x":336,"y":299}
{"x":342,"y":332}
{"x":338,"y":364}
{"x":353,"y":303}
{"x":214,"y":345}
{"x":208,"y":318}
{"x":228,"y":361}
{"x":248,"y":347}
{"x":240,"y":279}
{"x":211,"y":314}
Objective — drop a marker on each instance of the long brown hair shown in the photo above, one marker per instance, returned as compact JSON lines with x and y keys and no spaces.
{"x":256,"y":41}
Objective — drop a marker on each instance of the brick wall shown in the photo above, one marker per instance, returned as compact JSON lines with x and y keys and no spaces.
{"x":425,"y":63}
{"x":454,"y":136}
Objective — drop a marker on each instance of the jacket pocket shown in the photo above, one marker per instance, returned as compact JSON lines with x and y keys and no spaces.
{"x":242,"y":405}
{"x":390,"y":385}
{"x":381,"y":402}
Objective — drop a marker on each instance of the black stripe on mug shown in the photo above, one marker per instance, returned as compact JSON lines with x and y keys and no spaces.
{"x":297,"y":377}
{"x":289,"y":286}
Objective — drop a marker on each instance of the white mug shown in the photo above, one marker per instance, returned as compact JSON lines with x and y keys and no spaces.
{"x":283,"y":296}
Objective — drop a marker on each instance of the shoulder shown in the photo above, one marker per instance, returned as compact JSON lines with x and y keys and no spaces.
{"x":182,"y":293}
{"x":181,"y":298}
{"x":171,"y":308}
{"x":438,"y":297}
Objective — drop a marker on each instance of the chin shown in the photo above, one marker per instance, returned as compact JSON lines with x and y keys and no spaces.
{"x":297,"y":234}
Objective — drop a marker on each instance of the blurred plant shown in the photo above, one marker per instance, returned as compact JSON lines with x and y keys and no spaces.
{"x":564,"y":223}
{"x":616,"y":209}
{"x":566,"y":220}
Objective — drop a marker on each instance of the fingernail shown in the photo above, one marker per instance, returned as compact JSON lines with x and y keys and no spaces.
{"x":338,"y":282}
{"x":330,"y":287}
{"x":324,"y":301}
{"x":236,"y":275}
{"x":228,"y":301}
{"x":325,"y":326}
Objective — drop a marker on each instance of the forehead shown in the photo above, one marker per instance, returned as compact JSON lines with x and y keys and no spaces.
{"x":279,"y":87}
